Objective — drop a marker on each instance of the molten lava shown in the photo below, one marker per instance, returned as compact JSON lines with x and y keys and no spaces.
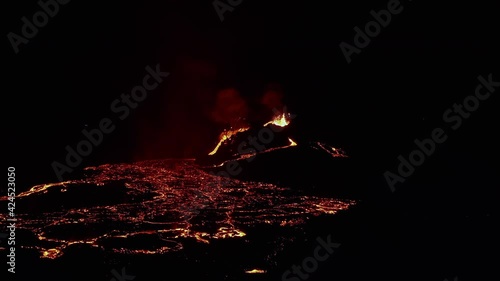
{"x":255,"y":271}
{"x":226,"y":135}
{"x":279,"y":120}
{"x":154,"y":208}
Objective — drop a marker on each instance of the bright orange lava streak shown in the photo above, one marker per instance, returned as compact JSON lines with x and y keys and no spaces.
{"x":225,"y":136}
{"x":279,"y":120}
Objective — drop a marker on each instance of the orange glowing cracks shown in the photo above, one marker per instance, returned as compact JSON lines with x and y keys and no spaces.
{"x":51,"y":254}
{"x":226,"y":135}
{"x":292,"y":143}
{"x":279,"y":120}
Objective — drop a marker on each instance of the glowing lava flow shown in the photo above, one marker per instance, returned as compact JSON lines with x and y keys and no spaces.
{"x":225,"y":136}
{"x":279,"y":120}
{"x":153,"y":208}
{"x":255,"y":271}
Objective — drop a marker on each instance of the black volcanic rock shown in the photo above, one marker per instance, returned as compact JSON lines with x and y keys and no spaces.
{"x":242,"y":144}
{"x":310,"y":166}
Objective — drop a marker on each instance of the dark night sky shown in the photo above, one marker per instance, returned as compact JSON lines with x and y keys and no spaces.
{"x":396,"y":90}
